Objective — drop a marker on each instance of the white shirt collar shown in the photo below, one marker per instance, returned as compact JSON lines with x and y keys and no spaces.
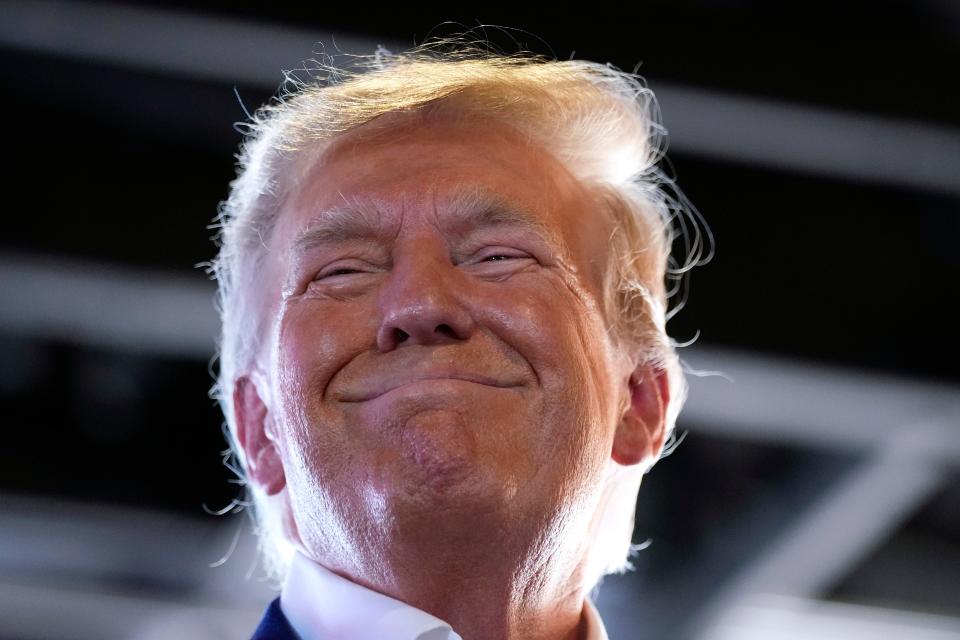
{"x":322,"y":605}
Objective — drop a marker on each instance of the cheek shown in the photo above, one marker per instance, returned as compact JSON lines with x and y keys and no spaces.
{"x":315,"y":339}
{"x":313,"y":343}
{"x":561,"y":336}
{"x":589,"y":359}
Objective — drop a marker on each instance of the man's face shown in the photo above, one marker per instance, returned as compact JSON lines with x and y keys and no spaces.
{"x":439,"y":356}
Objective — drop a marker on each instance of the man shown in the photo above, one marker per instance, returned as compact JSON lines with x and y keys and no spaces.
{"x":444,"y":363}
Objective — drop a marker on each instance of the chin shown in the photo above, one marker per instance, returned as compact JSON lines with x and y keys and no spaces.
{"x":423,"y":482}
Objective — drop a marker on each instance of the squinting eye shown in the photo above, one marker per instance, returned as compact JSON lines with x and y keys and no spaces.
{"x":342,"y":271}
{"x":499,"y":257}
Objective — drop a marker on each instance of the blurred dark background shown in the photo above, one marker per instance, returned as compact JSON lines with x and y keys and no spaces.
{"x":817,"y":491}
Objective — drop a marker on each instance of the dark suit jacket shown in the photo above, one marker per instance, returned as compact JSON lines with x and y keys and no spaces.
{"x":274,"y":625}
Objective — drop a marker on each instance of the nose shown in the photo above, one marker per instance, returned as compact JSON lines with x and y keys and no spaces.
{"x":420,"y":304}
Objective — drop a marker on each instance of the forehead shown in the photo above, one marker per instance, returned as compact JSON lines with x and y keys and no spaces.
{"x":413,"y":160}
{"x":451,"y":172}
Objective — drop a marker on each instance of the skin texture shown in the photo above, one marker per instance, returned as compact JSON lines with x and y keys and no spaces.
{"x":441,"y":408}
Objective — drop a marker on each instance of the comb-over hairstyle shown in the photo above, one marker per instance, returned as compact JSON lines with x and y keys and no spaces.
{"x":599,"y":122}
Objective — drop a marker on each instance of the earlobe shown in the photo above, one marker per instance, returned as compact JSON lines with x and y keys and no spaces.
{"x":254,"y":435}
{"x":642,"y":429}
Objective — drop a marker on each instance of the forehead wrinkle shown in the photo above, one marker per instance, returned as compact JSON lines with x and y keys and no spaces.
{"x":363,"y":217}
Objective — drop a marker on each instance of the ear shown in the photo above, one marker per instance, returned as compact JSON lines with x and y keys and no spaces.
{"x":642,"y":429}
{"x":255,"y":435}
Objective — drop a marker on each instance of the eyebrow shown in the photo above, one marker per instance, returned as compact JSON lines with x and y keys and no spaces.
{"x":338,"y":225}
{"x":471,"y":210}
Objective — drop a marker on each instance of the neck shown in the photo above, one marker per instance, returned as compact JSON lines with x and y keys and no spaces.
{"x":496,"y":605}
{"x":484,"y":591}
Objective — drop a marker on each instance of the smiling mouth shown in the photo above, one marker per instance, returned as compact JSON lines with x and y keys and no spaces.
{"x":381,"y":391}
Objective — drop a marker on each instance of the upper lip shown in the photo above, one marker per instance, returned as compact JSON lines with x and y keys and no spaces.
{"x":387,"y":381}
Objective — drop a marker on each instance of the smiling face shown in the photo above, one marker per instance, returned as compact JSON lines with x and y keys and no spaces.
{"x":439,"y":361}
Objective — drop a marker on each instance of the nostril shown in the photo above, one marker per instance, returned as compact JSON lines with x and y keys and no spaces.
{"x":446,"y":330}
{"x":400,"y":335}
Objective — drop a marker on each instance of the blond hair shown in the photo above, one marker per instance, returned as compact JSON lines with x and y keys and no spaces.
{"x":600,"y":122}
